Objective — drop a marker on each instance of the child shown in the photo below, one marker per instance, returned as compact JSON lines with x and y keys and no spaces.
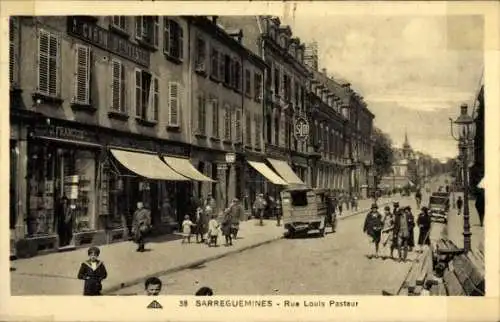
{"x":213,"y":231}
{"x":186,"y":229}
{"x":92,"y":272}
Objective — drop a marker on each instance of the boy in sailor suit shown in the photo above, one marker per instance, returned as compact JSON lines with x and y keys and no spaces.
{"x":92,"y":271}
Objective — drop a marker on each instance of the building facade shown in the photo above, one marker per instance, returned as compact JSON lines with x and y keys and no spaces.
{"x":93,"y":129}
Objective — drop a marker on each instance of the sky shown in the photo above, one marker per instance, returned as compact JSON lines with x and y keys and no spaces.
{"x":413,"y":71}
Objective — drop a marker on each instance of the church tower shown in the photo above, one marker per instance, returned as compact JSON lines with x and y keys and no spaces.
{"x":406,"y":148}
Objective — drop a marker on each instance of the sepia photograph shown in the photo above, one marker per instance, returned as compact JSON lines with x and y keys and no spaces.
{"x":269,"y":155}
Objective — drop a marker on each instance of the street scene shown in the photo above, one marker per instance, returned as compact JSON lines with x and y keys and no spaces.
{"x":245,"y":155}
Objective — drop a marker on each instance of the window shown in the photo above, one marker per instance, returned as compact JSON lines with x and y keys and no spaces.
{"x":202,"y":114}
{"x":146,"y":95}
{"x":48,"y":63}
{"x":214,"y":63}
{"x":227,"y":123}
{"x":227,"y":70}
{"x":268,"y":126}
{"x":258,"y":132}
{"x":117,"y":86}
{"x":248,"y":83}
{"x":299,"y":198}
{"x":237,"y":125}
{"x":82,"y":75}
{"x":237,"y":75}
{"x":248,"y":129}
{"x":174,"y":105}
{"x":119,"y":22}
{"x":222,"y":67}
{"x":13,"y":51}
{"x":215,"y":118}
{"x":276,"y":131}
{"x":201,"y":55}
{"x":147,"y":29}
{"x":173,"y":39}
{"x":297,"y":93}
{"x":276,"y":81}
{"x":258,"y":87}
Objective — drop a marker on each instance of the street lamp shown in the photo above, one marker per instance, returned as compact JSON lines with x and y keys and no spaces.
{"x":465,"y":126}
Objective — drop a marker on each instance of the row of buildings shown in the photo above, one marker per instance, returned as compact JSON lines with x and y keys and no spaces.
{"x":109,"y":111}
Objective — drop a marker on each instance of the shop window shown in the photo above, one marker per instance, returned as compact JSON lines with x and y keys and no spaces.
{"x":48,"y":63}
{"x":147,"y":30}
{"x":174,"y":104}
{"x":173,"y":39}
{"x":147,"y":95}
{"x":14,"y":51}
{"x":117,"y":86}
{"x":82,"y":75}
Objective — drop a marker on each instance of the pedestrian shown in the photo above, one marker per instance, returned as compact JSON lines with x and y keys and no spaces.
{"x":373,"y":227}
{"x":227,"y":220}
{"x":460,"y":203}
{"x":401,"y":233}
{"x":258,"y":206}
{"x":187,"y":226}
{"x":204,"y":291}
{"x":65,"y":217}
{"x":279,"y":212}
{"x":387,"y":230}
{"x":355,"y":202}
{"x":424,"y":225}
{"x":152,"y":286}
{"x":411,"y":228}
{"x":418,"y":197}
{"x":340,"y":202}
{"x":200,"y":225}
{"x":141,"y":225}
{"x":330,"y":212}
{"x":93,"y":272}
{"x":213,"y":231}
{"x":237,"y":215}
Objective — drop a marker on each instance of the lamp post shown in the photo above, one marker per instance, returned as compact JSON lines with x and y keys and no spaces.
{"x":465,"y":125}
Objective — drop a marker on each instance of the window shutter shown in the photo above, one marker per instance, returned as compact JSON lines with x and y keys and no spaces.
{"x":248,"y":128}
{"x":13,"y":50}
{"x":138,"y":92}
{"x":238,"y":126}
{"x":54,"y":65}
{"x":156,"y":31}
{"x":181,"y":42}
{"x":221,"y":66}
{"x":166,"y":35}
{"x":173,"y":117}
{"x":156,"y":99}
{"x":215,"y":118}
{"x":43,"y":61}
{"x":117,"y":86}
{"x":82,"y":74}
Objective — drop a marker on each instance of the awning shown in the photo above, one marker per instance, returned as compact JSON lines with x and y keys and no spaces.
{"x":285,"y":172}
{"x":184,"y":167}
{"x":147,"y":165}
{"x":263,"y":169}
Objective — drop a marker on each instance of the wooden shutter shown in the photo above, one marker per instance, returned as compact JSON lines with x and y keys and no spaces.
{"x":82,"y":74}
{"x":117,"y":86}
{"x":215,"y":118}
{"x":174,"y":91}
{"x":156,"y":98}
{"x":43,"y":61}
{"x":201,"y":114}
{"x":156,"y":31}
{"x":237,"y":125}
{"x":180,"y":39}
{"x":138,"y":92}
{"x":221,"y":67}
{"x":248,"y":128}
{"x":13,"y":50}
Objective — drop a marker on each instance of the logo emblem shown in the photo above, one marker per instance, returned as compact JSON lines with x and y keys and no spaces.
{"x":301,"y":128}
{"x":155,"y":305}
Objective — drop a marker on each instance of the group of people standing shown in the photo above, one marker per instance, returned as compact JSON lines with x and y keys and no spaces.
{"x":395,"y":230}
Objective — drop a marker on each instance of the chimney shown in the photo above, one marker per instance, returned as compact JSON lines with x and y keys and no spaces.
{"x":236,"y":34}
{"x":214,"y":19}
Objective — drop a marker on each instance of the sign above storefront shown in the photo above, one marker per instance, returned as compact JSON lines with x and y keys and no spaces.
{"x":301,"y":128}
{"x":100,"y":37}
{"x":63,"y":132}
{"x":230,"y":157}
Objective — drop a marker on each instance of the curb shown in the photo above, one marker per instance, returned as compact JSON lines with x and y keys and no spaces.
{"x":199,"y":262}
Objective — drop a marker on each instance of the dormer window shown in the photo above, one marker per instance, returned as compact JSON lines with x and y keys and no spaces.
{"x":293,"y":50}
{"x":283,"y":41}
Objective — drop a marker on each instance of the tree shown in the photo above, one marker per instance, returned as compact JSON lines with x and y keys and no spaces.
{"x":382,"y":155}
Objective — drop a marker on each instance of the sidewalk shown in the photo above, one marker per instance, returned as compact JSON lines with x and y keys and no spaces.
{"x":55,"y":274}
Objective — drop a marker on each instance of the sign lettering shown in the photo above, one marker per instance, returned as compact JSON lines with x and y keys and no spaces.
{"x":61,"y":132}
{"x":106,"y":40}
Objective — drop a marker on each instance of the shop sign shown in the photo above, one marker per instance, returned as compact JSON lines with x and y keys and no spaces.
{"x":301,"y":128}
{"x":63,"y":132}
{"x":107,"y":40}
{"x":230,"y":157}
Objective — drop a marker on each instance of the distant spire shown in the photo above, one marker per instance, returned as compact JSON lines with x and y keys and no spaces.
{"x":406,"y":144}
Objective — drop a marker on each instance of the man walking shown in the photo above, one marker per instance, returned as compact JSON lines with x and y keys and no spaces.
{"x":373,"y":227}
{"x":237,"y":215}
{"x":401,"y":232}
{"x":141,"y":225}
{"x":258,"y":207}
